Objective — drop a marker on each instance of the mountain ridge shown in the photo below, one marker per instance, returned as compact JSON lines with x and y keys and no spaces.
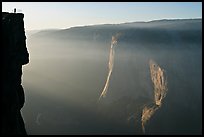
{"x":151,"y":33}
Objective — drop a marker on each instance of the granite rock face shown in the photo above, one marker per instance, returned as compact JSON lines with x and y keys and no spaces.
{"x":15,"y":55}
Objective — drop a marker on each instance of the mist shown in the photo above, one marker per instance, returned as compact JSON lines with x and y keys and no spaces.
{"x":68,"y":69}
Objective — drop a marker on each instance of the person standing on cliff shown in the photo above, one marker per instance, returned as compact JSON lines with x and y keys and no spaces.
{"x":15,"y":55}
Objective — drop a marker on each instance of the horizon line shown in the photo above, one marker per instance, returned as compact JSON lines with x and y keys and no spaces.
{"x":88,"y":25}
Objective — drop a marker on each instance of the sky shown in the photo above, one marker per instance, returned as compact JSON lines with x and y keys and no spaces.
{"x":62,"y":15}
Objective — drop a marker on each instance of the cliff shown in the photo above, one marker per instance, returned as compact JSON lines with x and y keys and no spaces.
{"x":15,"y":55}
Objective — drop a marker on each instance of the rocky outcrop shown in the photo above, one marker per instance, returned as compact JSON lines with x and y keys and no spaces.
{"x":160,"y":90}
{"x":15,"y":55}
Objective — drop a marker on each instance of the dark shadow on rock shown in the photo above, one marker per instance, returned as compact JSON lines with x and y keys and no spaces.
{"x":15,"y":55}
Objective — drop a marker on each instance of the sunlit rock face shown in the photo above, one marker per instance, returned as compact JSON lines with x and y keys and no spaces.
{"x":160,"y":89}
{"x":159,"y":81}
{"x":110,"y":63}
{"x":15,"y":55}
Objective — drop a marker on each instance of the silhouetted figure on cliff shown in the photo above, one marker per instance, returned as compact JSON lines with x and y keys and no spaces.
{"x":15,"y":55}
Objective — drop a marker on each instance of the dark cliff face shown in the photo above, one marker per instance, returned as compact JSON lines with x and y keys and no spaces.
{"x":15,"y":55}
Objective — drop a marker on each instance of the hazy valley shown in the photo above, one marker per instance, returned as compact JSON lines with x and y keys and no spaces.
{"x":68,"y":69}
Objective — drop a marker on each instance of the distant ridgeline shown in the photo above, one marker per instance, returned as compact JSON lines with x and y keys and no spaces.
{"x":15,"y":55}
